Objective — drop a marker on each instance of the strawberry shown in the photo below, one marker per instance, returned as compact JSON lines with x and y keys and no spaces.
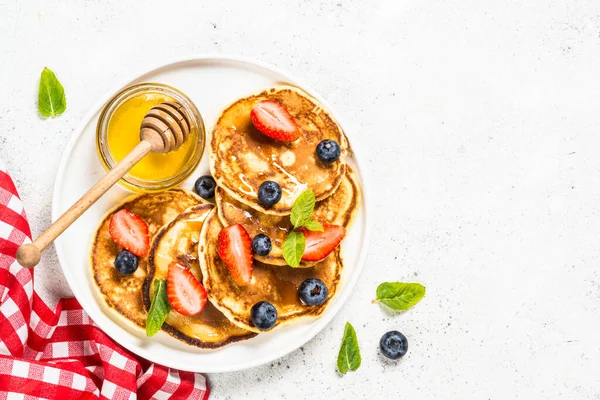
{"x":320,"y":244}
{"x":235,"y":249}
{"x":272,"y":119}
{"x":130,"y":232}
{"x":186,"y":295}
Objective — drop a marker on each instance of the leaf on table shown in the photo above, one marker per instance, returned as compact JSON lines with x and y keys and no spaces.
{"x":399,"y":295}
{"x":349,"y":356}
{"x":51,"y":95}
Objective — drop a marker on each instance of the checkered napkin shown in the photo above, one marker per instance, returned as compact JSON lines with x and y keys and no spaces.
{"x":61,"y":353}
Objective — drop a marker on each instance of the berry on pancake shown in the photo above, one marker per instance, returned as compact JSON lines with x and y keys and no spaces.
{"x":130,"y":232}
{"x":235,"y":249}
{"x":273,"y":120}
{"x":320,"y":244}
{"x":186,"y":295}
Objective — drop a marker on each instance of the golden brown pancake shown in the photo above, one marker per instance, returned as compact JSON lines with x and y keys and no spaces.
{"x":277,"y":285}
{"x":124,"y":293}
{"x":242,"y":158}
{"x":339,"y":209}
{"x":178,"y":241}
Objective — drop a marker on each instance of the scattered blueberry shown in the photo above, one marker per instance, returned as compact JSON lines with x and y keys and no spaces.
{"x":313,"y":292}
{"x":264,"y":315}
{"x":205,"y":187}
{"x":269,"y":193}
{"x":126,"y":262}
{"x":328,"y":151}
{"x":393,"y":345}
{"x":261,"y":244}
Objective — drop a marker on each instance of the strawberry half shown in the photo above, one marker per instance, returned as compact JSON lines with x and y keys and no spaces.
{"x":320,"y":244}
{"x":272,"y":119}
{"x":235,"y":249}
{"x":130,"y":232}
{"x":186,"y":295}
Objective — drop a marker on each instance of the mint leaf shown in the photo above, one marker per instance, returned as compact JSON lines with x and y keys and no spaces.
{"x":301,"y":216}
{"x":302,"y":208}
{"x":51,"y":95}
{"x":293,"y":248}
{"x":159,"y":309}
{"x":314,"y":226}
{"x":399,"y":295}
{"x":349,"y":356}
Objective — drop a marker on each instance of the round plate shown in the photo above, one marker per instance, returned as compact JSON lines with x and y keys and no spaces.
{"x":212,"y":82}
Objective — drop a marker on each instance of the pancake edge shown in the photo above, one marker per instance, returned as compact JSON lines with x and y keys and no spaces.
{"x":150,"y":276}
{"x":280,"y":323}
{"x":348,"y":220}
{"x":109,"y":303}
{"x":345,"y":145}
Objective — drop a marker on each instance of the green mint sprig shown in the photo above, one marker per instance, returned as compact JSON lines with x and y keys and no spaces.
{"x":349,"y":356}
{"x":51,"y":95}
{"x":302,"y":210}
{"x":159,"y":309}
{"x":301,"y":216}
{"x":293,"y":248}
{"x":313,"y":226}
{"x":399,"y":295}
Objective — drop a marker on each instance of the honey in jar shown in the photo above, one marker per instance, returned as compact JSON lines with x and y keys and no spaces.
{"x":119,"y":132}
{"x":124,"y":135}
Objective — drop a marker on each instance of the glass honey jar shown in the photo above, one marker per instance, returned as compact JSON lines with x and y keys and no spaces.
{"x":118,"y":132}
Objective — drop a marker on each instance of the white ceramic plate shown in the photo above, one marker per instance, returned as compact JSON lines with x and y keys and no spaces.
{"x":212,"y":82}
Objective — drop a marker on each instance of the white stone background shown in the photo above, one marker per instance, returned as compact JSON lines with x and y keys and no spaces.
{"x":480,"y":124}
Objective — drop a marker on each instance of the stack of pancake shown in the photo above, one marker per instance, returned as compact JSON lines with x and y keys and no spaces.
{"x":185,"y":227}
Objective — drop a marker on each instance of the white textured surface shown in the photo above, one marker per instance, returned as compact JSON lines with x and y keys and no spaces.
{"x":480,"y":122}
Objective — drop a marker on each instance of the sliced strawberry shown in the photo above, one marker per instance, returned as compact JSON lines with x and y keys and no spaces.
{"x":320,"y":244}
{"x":235,"y":249}
{"x":186,"y":295}
{"x":272,"y":119}
{"x":130,"y":232}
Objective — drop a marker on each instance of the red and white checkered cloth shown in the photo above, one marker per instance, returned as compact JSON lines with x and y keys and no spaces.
{"x":62,"y":354}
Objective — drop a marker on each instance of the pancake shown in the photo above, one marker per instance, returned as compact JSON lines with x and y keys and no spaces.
{"x":242,"y":158}
{"x":338,"y":209}
{"x":124,"y":293}
{"x":277,"y":285}
{"x":178,"y":241}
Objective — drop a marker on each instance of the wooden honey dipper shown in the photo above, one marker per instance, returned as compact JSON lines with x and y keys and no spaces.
{"x":164,"y":128}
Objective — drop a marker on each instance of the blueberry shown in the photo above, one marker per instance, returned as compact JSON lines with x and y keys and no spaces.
{"x":313,"y":292}
{"x":261,"y":244}
{"x":205,"y":187}
{"x":126,"y":262}
{"x":264,"y":315}
{"x":393,"y":345}
{"x":269,"y":193}
{"x":328,"y":151}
